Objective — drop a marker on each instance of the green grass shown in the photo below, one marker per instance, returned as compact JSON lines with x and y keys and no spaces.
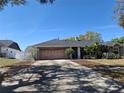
{"x":7,"y":62}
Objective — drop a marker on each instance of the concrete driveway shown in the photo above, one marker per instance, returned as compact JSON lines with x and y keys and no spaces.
{"x":58,"y":76}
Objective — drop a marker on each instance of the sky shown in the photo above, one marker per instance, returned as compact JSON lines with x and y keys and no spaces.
{"x":35,"y":23}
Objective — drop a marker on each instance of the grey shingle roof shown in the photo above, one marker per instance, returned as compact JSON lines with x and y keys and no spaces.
{"x":64,"y":43}
{"x":72,"y":43}
{"x":10,"y":44}
{"x":110,"y":43}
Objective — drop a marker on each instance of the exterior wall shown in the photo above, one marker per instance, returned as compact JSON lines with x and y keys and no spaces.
{"x":20,"y":55}
{"x":52,"y":53}
{"x":59,"y":53}
{"x":12,"y":53}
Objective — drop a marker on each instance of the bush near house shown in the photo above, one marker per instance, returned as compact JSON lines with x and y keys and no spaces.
{"x":31,"y":53}
{"x":97,"y":51}
{"x":111,"y":56}
{"x":94,"y":51}
{"x":69,"y":52}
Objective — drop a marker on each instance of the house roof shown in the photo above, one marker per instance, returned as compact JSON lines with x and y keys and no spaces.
{"x":110,"y":43}
{"x":10,"y":44}
{"x":72,"y":43}
{"x":64,"y":43}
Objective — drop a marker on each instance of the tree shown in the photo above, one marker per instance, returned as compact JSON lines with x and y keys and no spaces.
{"x":119,"y":12}
{"x":93,"y":36}
{"x":115,"y":40}
{"x":4,"y":3}
{"x":121,"y":21}
{"x":82,"y":37}
{"x":88,"y":50}
{"x":118,"y":40}
{"x":95,"y":50}
{"x":72,"y":38}
{"x":89,"y":36}
{"x":31,"y":53}
{"x":69,"y":52}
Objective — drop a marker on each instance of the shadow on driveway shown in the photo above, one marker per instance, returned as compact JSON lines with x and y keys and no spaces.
{"x":57,"y":79}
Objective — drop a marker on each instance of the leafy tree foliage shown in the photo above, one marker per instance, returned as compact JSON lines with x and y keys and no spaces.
{"x":121,"y":21}
{"x":4,"y":3}
{"x":93,"y":36}
{"x":118,"y":40}
{"x":72,"y":38}
{"x":31,"y":53}
{"x":119,"y":12}
{"x":95,"y":50}
{"x":69,"y":52}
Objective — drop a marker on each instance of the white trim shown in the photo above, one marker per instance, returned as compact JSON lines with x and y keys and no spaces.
{"x":79,"y":52}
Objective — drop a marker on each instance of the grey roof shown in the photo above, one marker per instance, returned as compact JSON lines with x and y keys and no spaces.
{"x":110,"y":43}
{"x":72,"y":43}
{"x":10,"y":44}
{"x":64,"y":43}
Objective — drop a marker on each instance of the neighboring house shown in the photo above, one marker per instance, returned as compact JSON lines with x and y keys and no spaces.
{"x":10,"y":49}
{"x":55,"y":49}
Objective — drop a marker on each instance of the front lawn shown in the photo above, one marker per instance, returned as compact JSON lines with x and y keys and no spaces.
{"x":116,"y":62}
{"x":7,"y":62}
{"x":108,"y":68}
{"x":4,"y":62}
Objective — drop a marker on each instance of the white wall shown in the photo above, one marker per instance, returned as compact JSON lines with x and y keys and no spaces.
{"x":20,"y":55}
{"x":12,"y":53}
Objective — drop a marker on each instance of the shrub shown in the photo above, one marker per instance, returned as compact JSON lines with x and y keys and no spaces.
{"x":115,"y":51}
{"x":104,"y":55}
{"x":31,"y":53}
{"x":69,"y":52}
{"x":98,"y":55}
{"x":111,"y":56}
{"x":87,"y":57}
{"x":118,"y":56}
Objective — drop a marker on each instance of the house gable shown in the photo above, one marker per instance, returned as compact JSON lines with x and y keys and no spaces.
{"x":9,"y":44}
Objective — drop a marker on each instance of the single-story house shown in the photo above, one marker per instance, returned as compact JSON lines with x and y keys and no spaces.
{"x":10,"y":49}
{"x":55,"y":49}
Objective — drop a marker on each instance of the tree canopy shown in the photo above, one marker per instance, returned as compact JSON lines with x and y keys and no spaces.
{"x":119,"y":12}
{"x":118,"y":40}
{"x":90,"y":36}
{"x":4,"y":3}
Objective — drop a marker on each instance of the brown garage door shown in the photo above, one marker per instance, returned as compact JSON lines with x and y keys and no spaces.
{"x":51,"y":53}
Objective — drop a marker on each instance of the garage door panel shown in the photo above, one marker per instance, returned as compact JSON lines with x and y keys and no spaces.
{"x":52,"y":53}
